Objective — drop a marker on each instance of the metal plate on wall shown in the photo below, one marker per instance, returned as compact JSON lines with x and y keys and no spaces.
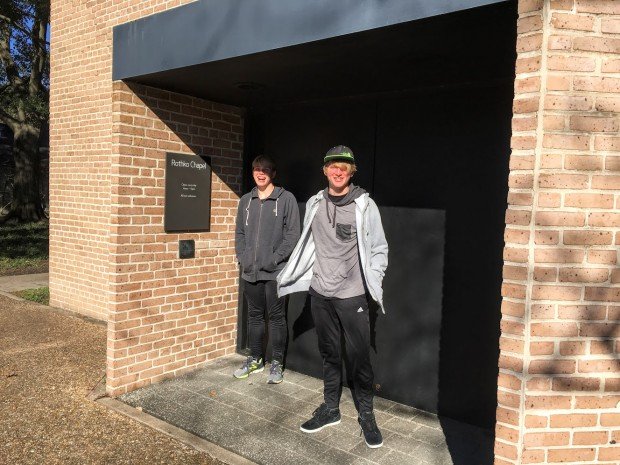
{"x":187,"y":204}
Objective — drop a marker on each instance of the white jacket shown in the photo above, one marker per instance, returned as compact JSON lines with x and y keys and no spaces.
{"x":373,"y":249}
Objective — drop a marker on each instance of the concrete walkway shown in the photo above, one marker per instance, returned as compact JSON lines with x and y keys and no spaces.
{"x":21,"y":282}
{"x":261,"y":422}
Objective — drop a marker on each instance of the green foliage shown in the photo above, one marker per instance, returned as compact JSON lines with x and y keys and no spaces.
{"x":35,"y":107}
{"x":24,"y":61}
{"x":23,"y":247}
{"x":24,"y":97}
{"x":40,"y":295}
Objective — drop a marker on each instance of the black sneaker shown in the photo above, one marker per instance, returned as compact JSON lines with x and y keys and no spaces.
{"x":372,"y":435}
{"x":321,"y":417}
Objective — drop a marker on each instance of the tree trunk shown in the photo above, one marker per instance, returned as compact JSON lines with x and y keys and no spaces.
{"x":26,"y":204}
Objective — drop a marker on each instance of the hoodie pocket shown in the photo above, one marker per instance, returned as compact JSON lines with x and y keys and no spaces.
{"x":374,"y":282}
{"x":246,"y":260}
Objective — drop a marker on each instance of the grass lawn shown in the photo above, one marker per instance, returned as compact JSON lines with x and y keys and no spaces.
{"x":40,"y":295}
{"x":24,"y":248}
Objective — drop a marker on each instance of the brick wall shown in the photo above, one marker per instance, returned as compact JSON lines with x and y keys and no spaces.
{"x":558,"y":387}
{"x":80,"y":146}
{"x":169,"y":315}
{"x":109,"y":255}
{"x":558,"y":384}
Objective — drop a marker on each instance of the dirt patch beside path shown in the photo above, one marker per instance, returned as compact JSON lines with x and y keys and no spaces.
{"x":49,"y":362}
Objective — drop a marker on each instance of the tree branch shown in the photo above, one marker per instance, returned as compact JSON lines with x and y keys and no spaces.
{"x":39,"y":31}
{"x":8,"y":120}
{"x":12,"y":23}
{"x":12,"y":71}
{"x":15,"y":25}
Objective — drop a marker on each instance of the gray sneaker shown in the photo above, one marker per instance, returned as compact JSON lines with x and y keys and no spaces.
{"x":275,"y":373}
{"x":251,"y":365}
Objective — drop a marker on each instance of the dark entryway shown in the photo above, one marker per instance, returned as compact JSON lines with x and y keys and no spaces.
{"x":425,"y":104}
{"x":434,"y":155}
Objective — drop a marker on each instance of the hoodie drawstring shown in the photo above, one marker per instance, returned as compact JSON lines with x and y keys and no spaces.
{"x":247,"y":210}
{"x":329,"y":220}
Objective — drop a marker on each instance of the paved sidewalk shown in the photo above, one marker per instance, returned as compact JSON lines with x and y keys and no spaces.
{"x":25,"y":281}
{"x":261,"y":422}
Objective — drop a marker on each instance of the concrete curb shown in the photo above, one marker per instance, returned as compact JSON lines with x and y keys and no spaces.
{"x":219,"y":453}
{"x":14,"y":297}
{"x":61,"y":311}
{"x":183,"y":436}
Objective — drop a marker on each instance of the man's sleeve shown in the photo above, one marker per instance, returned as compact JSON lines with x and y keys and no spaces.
{"x":240,"y":230}
{"x":309,"y":202}
{"x":378,"y":243}
{"x":291,"y":231}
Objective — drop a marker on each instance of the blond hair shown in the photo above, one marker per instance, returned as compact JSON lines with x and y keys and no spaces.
{"x":343,"y":165}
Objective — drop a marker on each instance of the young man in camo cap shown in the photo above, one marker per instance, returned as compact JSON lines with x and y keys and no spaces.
{"x":341,"y":258}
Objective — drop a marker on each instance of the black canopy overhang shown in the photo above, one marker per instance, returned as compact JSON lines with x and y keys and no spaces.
{"x":304,"y":49}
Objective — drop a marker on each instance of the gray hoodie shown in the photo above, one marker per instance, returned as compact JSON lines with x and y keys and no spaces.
{"x":373,"y":250}
{"x":265,"y":233}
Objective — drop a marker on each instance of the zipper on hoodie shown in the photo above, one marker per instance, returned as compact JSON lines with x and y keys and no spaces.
{"x":260,"y":213}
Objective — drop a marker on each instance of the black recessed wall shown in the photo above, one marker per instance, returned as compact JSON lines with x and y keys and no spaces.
{"x":434,"y":156}
{"x":437,"y":165}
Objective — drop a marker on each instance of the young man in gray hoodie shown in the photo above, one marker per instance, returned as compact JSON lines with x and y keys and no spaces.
{"x":266,"y":231}
{"x":341,"y":257}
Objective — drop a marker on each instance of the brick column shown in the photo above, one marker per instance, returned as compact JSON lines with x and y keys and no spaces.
{"x":109,"y":255}
{"x":168,"y":315}
{"x":558,"y":383}
{"x":81,"y":144}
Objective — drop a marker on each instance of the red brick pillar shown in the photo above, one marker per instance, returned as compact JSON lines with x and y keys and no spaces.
{"x":558,"y":383}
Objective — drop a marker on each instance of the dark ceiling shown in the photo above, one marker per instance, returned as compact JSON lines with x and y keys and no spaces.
{"x":468,"y":47}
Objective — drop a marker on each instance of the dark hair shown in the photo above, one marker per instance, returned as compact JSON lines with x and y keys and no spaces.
{"x":263,"y":161}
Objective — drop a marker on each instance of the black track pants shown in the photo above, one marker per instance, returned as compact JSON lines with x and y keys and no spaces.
{"x":263,"y":296}
{"x":350,"y":315}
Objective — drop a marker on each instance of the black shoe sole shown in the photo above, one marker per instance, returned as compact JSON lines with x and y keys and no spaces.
{"x":374,"y":446}
{"x":319,"y":429}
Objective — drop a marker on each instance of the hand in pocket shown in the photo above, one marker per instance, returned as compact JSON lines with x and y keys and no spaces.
{"x":246,"y":262}
{"x":270,"y":264}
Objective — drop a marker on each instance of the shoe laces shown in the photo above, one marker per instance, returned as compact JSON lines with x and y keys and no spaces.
{"x":275,"y":367}
{"x":368,"y":422}
{"x":321,"y":411}
{"x":248,"y":362}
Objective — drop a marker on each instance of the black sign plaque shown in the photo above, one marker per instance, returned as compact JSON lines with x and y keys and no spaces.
{"x":187,"y":204}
